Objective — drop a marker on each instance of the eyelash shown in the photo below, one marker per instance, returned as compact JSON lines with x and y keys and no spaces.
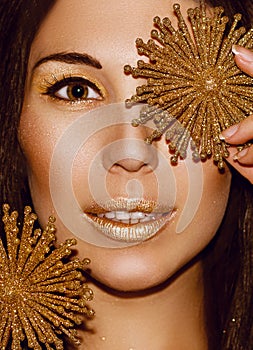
{"x":88,"y":87}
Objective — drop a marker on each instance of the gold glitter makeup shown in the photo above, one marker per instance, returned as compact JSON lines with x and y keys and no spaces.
{"x":69,"y":89}
{"x":130,"y":220}
{"x":195,"y":81}
{"x":41,"y":294}
{"x":68,"y":83}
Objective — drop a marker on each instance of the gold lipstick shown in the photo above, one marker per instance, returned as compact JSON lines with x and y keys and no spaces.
{"x":131,"y":220}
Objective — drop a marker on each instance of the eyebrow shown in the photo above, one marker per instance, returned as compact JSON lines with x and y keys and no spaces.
{"x":70,"y":58}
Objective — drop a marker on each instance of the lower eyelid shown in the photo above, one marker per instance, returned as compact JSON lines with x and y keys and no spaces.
{"x":74,"y":105}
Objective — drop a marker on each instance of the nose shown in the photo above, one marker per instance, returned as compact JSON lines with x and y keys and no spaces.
{"x":130,"y":153}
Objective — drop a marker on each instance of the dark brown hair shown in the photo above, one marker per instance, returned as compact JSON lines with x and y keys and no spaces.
{"x":228,"y":258}
{"x":232,"y":7}
{"x":19,"y":22}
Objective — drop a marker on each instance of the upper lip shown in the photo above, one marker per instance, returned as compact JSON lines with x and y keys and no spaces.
{"x":129,"y":205}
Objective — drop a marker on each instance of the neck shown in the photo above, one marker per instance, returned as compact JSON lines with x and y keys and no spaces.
{"x":167,"y":317}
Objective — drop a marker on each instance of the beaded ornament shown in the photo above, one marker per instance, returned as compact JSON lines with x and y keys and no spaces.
{"x":192,"y":79}
{"x":41,"y":294}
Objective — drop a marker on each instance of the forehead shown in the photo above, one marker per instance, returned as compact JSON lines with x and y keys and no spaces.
{"x":99,"y":26}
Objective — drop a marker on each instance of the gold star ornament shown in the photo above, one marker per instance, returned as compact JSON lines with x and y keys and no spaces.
{"x":42,"y":294}
{"x":192,"y":79}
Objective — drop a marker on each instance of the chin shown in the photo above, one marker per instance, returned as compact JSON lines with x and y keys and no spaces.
{"x":130,"y":273}
{"x":131,"y":283}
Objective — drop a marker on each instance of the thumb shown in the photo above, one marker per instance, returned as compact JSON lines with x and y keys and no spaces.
{"x":243,"y":59}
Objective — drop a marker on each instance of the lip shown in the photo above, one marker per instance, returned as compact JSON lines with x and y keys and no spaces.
{"x":129,"y":220}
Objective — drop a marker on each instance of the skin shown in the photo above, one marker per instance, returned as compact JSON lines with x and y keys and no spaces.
{"x":164,"y":270}
{"x":242,"y":132}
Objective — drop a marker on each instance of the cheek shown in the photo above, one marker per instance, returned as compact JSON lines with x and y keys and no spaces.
{"x":213,"y":197}
{"x":37,"y":138}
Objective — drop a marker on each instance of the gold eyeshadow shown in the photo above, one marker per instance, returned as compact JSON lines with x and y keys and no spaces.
{"x":52,"y":76}
{"x":51,"y":88}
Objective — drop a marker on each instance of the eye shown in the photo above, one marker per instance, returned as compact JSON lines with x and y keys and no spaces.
{"x":74,"y":89}
{"x":77,"y":91}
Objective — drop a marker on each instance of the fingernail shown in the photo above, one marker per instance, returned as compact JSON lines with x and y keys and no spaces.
{"x":245,"y":54}
{"x":226,"y":134}
{"x":241,"y":154}
{"x":222,"y":138}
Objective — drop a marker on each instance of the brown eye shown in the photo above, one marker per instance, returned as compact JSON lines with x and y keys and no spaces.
{"x":74,"y":89}
{"x":77,"y":91}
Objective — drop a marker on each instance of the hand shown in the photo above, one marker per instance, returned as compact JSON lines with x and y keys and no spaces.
{"x":242,"y":132}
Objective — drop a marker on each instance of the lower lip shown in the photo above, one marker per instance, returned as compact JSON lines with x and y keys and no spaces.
{"x":129,"y":233}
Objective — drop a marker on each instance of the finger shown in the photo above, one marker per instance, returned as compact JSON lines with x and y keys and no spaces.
{"x":245,"y":156}
{"x":244,"y":169}
{"x":243,"y":131}
{"x":239,"y":133}
{"x":243,"y":59}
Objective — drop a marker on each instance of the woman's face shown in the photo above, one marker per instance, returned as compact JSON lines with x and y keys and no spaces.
{"x":75,"y":66}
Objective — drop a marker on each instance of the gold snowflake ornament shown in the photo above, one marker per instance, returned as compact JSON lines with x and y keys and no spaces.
{"x":192,"y":79}
{"x":41,"y":294}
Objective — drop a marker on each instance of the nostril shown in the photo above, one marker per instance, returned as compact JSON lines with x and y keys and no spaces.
{"x":131,"y":165}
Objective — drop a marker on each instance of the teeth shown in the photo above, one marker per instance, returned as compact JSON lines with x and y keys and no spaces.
{"x":138,"y":215}
{"x":146,"y":218}
{"x":110,"y":215}
{"x":130,"y":217}
{"x":122,"y":215}
{"x":125,"y":221}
